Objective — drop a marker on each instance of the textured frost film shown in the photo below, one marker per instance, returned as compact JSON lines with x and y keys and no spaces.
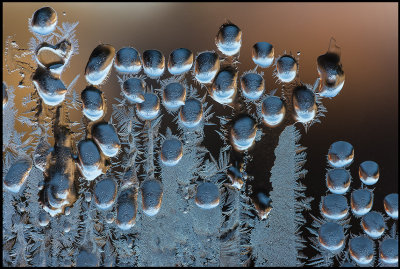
{"x":199,"y":165}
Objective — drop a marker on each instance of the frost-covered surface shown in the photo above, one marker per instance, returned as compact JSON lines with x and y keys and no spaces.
{"x":142,"y":189}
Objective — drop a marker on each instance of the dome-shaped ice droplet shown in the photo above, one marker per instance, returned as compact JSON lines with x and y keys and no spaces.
{"x":153,"y":63}
{"x":180,"y":61}
{"x":152,"y":194}
{"x":86,"y":259}
{"x":286,"y":68}
{"x":331,"y":74}
{"x":106,"y":138}
{"x":273,"y":111}
{"x":252,"y":85}
{"x":224,"y":87}
{"x":126,"y":209}
{"x":334,"y":206}
{"x":391,"y":204}
{"x":60,"y":185}
{"x":44,"y":21}
{"x":133,"y":89}
{"x":174,"y":95}
{"x":99,"y":64}
{"x":389,"y":251}
{"x":340,"y":154}
{"x":262,"y":204}
{"x":51,"y":89}
{"x":127,"y":60}
{"x":105,"y":193}
{"x":373,"y":224}
{"x":304,"y":104}
{"x":369,"y":172}
{"x":235,"y":176}
{"x":191,"y":113}
{"x":338,"y":180}
{"x":243,"y":133}
{"x":361,"y":249}
{"x":110,"y":217}
{"x":331,"y":236}
{"x":207,"y":195}
{"x":93,"y":104}
{"x":229,"y":39}
{"x":5,"y":95}
{"x":54,"y":58}
{"x":67,"y":227}
{"x":44,"y":218}
{"x":90,"y":162}
{"x":171,"y":152}
{"x":361,"y":201}
{"x":150,"y":108}
{"x":41,"y":154}
{"x":206,"y":66}
{"x":17,"y":174}
{"x":263,"y":54}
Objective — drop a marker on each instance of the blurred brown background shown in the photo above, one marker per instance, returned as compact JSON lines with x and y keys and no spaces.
{"x":365,"y":113}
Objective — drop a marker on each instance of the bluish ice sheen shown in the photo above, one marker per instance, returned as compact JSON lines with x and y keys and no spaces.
{"x":127,"y":60}
{"x":229,"y":39}
{"x":243,"y":133}
{"x":286,"y":68}
{"x":361,"y":249}
{"x":105,"y":193}
{"x":51,"y":89}
{"x":153,"y":63}
{"x":263,"y":54}
{"x":252,"y":85}
{"x":206,"y":66}
{"x":133,"y":89}
{"x":174,"y":95}
{"x":90,"y":161}
{"x":106,"y":138}
{"x":180,"y":61}
{"x":389,"y":251}
{"x":373,"y":224}
{"x":99,"y":64}
{"x":391,"y":205}
{"x":361,"y":201}
{"x":191,"y":113}
{"x":273,"y":111}
{"x":369,"y":172}
{"x":152,"y":194}
{"x":338,"y":180}
{"x":304,"y":103}
{"x":44,"y":21}
{"x":340,"y":154}
{"x":207,"y":195}
{"x":150,"y":108}
{"x":93,"y":103}
{"x":331,"y":236}
{"x":171,"y":152}
{"x":334,"y":206}
{"x":224,"y":86}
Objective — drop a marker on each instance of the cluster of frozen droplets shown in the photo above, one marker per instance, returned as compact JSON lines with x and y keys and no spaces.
{"x":335,"y":211}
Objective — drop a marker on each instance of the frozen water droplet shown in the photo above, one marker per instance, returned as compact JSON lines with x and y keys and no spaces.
{"x":51,"y":89}
{"x":150,"y":108}
{"x":338,"y":180}
{"x":262,"y":204}
{"x":90,"y":162}
{"x":191,"y":113}
{"x":17,"y":174}
{"x":331,"y":74}
{"x":263,"y":54}
{"x":235,"y":176}
{"x":253,"y":85}
{"x":128,"y":60}
{"x":206,"y":66}
{"x":286,"y":68}
{"x":67,"y":211}
{"x":106,"y":138}
{"x":180,"y":61}
{"x":361,"y":249}
{"x":44,"y":218}
{"x":361,"y":201}
{"x":88,"y":197}
{"x":243,"y":133}
{"x":126,"y":210}
{"x":224,"y":87}
{"x":273,"y":111}
{"x":207,"y":195}
{"x":331,"y":236}
{"x":42,"y":154}
{"x":174,"y":95}
{"x":373,"y":224}
{"x":391,"y":204}
{"x":171,"y":152}
{"x":110,"y":217}
{"x":67,"y":227}
{"x":99,"y":64}
{"x":340,"y":154}
{"x":369,"y":172}
{"x":153,"y":63}
{"x":304,"y":103}
{"x":44,"y":21}
{"x":152,"y":194}
{"x":229,"y":39}
{"x":54,"y":58}
{"x":389,"y":251}
{"x":133,"y":89}
{"x":105,"y":193}
{"x":334,"y":206}
{"x":93,"y":104}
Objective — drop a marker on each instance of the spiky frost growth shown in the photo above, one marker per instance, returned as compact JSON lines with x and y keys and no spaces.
{"x":279,"y":235}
